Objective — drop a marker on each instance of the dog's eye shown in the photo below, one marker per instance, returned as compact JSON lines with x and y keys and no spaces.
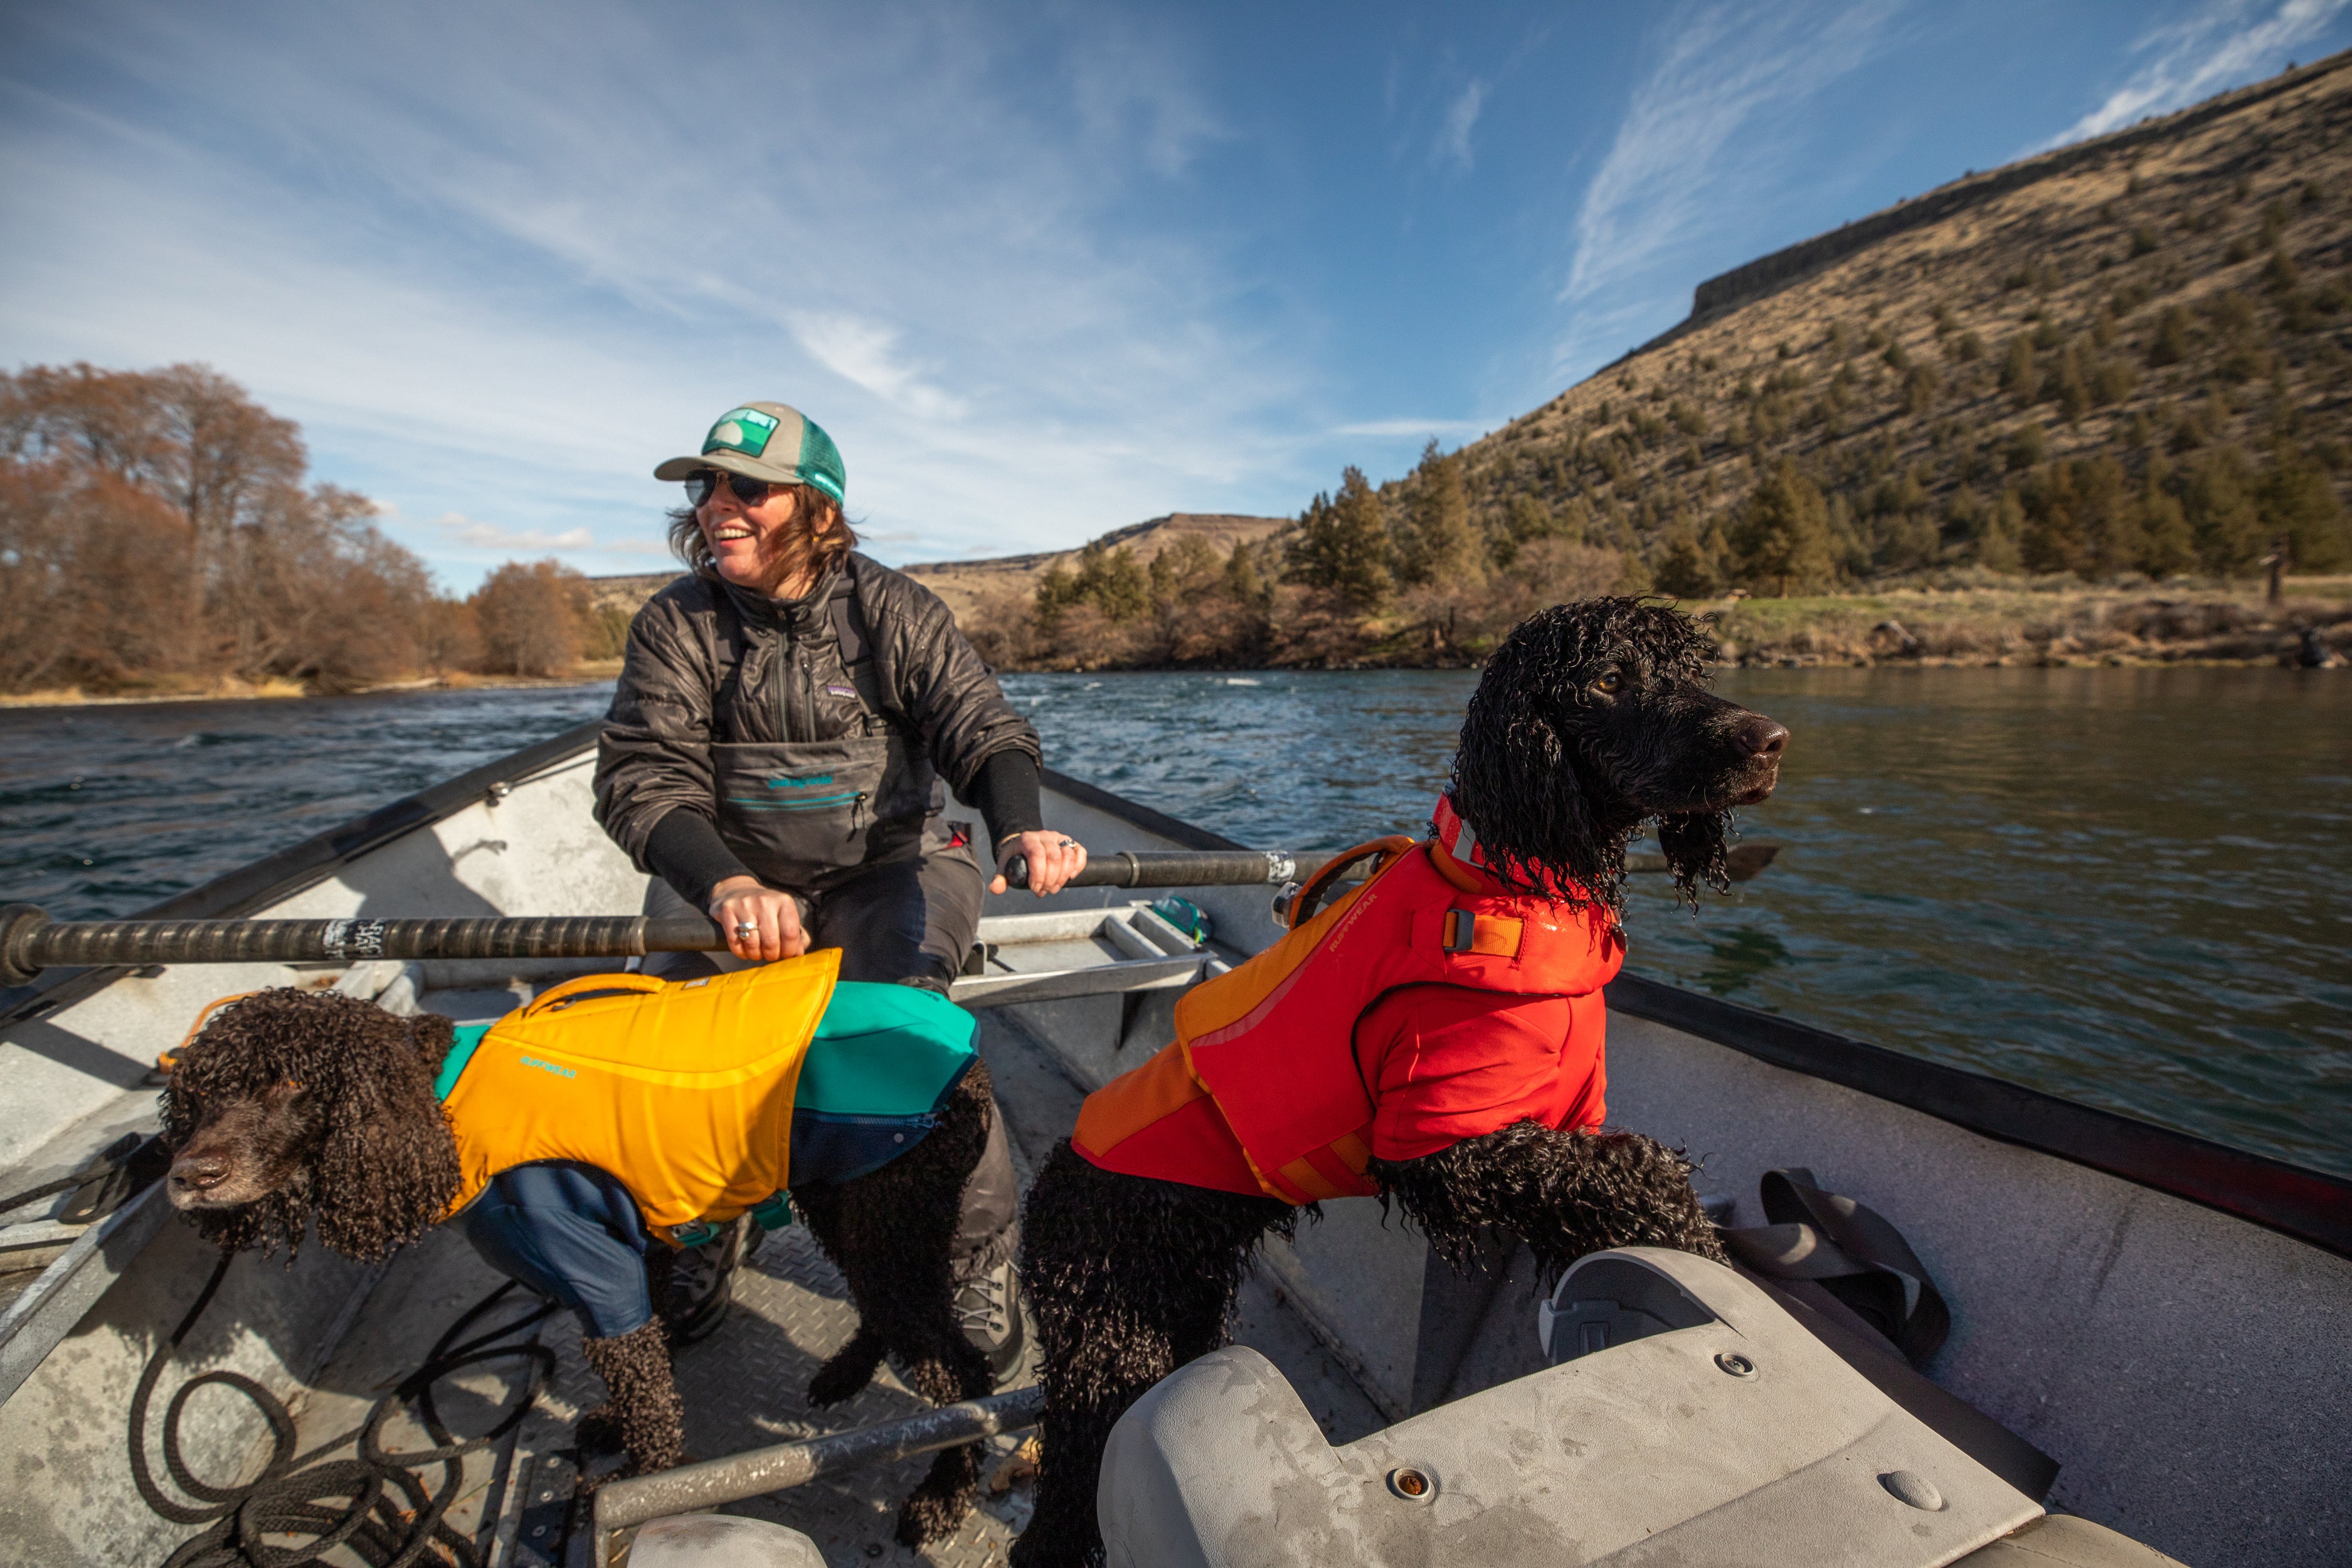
{"x":1612,"y":683}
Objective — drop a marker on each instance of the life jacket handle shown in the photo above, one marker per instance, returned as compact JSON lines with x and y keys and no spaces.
{"x":1302,"y":907}
{"x":578,"y":983}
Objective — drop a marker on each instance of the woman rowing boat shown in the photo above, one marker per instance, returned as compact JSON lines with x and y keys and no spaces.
{"x":788,"y":718}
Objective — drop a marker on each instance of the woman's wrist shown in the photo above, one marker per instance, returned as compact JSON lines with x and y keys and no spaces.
{"x":733,"y":886}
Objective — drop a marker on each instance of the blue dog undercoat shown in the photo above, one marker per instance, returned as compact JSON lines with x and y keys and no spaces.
{"x":878,"y":1070}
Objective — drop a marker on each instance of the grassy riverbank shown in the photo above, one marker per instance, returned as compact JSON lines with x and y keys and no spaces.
{"x":2012,"y":623}
{"x":230,"y":689}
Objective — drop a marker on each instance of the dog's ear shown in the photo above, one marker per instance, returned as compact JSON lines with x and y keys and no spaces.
{"x":1696,"y":844}
{"x":1516,"y":779}
{"x":388,"y":1166}
{"x":432,"y":1035}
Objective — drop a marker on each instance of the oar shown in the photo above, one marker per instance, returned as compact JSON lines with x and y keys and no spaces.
{"x":1246,"y":867}
{"x":31,"y":942}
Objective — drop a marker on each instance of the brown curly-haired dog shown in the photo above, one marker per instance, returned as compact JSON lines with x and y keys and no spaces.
{"x":292,"y":1105}
{"x":1591,"y":719}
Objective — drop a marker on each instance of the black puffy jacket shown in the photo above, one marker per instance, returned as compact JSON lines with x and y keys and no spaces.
{"x":814,"y":733}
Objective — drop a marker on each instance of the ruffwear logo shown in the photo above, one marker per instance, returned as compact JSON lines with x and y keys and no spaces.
{"x":744,"y":430}
{"x":547,"y":1067}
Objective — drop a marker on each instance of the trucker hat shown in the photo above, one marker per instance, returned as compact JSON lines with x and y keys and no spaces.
{"x":772,"y":441}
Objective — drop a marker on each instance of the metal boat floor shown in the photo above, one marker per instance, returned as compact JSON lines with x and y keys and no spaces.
{"x":416,"y":1299}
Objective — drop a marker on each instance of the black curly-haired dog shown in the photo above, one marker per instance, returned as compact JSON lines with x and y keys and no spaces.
{"x":292,"y":1105}
{"x":1591,"y":719}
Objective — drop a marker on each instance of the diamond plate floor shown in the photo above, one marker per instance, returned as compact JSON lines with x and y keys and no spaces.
{"x":746,"y":1385}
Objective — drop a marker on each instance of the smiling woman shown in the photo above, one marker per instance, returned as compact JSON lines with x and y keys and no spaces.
{"x":789,"y":718}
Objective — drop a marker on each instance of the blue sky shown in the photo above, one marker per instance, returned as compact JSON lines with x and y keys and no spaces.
{"x":1041,"y":270}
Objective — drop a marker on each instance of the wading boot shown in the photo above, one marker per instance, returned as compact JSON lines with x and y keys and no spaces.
{"x":988,"y":1309}
{"x":702,"y":1284}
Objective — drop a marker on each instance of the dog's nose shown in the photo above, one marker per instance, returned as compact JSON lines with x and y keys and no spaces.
{"x":199,"y":1172}
{"x":1763,"y":739}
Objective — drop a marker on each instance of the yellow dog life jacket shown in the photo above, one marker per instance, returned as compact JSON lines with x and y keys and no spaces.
{"x":684,"y":1090}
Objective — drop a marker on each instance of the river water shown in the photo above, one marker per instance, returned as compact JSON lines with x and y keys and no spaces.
{"x":2127,"y":887}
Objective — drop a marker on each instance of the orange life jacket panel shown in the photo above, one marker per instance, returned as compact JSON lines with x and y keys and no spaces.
{"x":684,"y":1090}
{"x":1262,"y":1090}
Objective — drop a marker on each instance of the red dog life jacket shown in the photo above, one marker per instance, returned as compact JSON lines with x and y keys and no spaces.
{"x":1266,"y":1056}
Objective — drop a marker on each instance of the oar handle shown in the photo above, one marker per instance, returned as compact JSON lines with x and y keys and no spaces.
{"x":31,"y":942}
{"x":1178,"y":868}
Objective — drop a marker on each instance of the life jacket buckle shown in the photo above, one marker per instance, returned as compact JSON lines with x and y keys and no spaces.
{"x":693,"y":1233}
{"x":1458,"y":932}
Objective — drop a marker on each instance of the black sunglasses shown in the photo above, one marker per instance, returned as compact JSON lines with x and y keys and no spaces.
{"x":703,"y":483}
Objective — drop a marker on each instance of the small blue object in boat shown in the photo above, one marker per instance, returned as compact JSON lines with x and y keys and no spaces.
{"x":1184,"y":915}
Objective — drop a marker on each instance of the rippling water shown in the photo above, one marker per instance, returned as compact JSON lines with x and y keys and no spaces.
{"x":2126,"y":887}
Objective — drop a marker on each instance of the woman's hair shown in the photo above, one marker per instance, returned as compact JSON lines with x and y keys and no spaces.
{"x":809,"y":505}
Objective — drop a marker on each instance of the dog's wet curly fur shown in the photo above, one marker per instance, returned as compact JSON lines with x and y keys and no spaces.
{"x":890,"y":1233}
{"x":642,"y":1413}
{"x":322,"y":1105}
{"x":1589,"y":721}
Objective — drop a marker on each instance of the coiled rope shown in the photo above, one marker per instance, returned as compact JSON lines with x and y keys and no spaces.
{"x":392,"y":1518}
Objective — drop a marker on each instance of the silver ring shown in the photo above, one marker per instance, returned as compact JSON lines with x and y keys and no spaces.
{"x":746,"y":928}
{"x":1068,"y":843}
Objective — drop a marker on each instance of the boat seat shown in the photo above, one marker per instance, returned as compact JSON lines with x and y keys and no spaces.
{"x":1703,"y":1423}
{"x":722,"y":1541}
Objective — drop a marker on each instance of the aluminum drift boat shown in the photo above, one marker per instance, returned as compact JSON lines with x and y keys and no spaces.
{"x":2165,"y":1318}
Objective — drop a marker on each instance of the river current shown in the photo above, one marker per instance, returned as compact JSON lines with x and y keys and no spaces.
{"x":2126,"y":887}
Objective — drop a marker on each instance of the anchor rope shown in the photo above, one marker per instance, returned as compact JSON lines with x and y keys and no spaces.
{"x":393,"y":1519}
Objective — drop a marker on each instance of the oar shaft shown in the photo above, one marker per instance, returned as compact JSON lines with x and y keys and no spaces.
{"x":1251,"y":868}
{"x":31,"y":942}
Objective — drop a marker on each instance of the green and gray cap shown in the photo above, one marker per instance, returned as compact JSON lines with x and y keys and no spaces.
{"x":772,"y":441}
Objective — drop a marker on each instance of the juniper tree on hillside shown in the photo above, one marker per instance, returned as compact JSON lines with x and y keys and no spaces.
{"x":1343,"y":545}
{"x":1782,"y":538}
{"x":1437,"y":544}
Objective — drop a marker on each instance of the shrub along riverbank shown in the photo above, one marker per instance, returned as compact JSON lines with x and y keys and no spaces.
{"x":1993,"y":622}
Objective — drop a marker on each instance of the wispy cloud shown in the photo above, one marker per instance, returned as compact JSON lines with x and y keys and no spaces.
{"x":1454,"y":141}
{"x":867,"y":354}
{"x":472,"y":534}
{"x":1408,"y":428}
{"x":2224,"y":44}
{"x":1701,"y":135}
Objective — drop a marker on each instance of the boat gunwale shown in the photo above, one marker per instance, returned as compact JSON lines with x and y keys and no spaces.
{"x":2309,"y":1205}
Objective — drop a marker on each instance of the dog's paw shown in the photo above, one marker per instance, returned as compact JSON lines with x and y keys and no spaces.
{"x":1048,"y":1548}
{"x":929,"y":1516}
{"x":843,"y":1377}
{"x":598,"y":1434}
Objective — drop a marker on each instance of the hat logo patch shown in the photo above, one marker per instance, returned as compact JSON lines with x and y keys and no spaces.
{"x":744,"y":430}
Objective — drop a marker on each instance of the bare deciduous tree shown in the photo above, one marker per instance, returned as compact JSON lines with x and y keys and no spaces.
{"x":530,"y":617}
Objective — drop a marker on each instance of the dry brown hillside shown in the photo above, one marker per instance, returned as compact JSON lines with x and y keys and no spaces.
{"x":964,"y":584}
{"x":2126,"y":356}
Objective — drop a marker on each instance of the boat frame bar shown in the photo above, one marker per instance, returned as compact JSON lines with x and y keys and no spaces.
{"x":759,"y":1471}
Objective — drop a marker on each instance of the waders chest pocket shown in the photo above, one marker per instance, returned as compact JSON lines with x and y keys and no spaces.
{"x":801,"y":807}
